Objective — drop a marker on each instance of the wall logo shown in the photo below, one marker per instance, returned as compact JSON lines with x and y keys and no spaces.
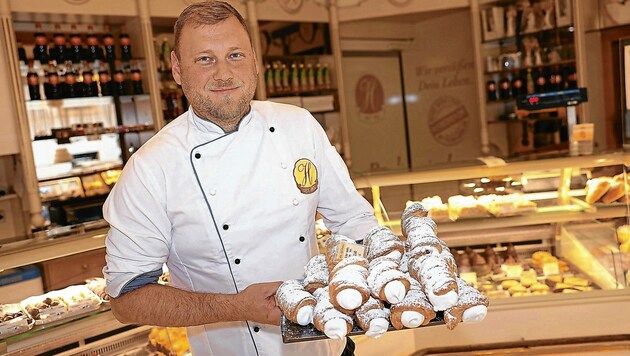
{"x":305,"y":175}
{"x":369,"y":97}
{"x":448,"y":120}
{"x":291,"y":6}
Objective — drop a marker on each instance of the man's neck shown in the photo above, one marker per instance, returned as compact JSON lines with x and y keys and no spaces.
{"x":228,"y":125}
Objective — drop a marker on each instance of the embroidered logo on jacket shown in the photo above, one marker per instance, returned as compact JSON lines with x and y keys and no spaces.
{"x":305,"y":175}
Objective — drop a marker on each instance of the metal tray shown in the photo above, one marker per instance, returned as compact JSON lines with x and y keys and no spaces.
{"x":292,"y":332}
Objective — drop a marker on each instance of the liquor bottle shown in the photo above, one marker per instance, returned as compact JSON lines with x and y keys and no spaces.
{"x":285,"y":75}
{"x":166,"y":54}
{"x":108,"y":43}
{"x":310,"y":77}
{"x":269,"y":79}
{"x":94,"y":50}
{"x":491,"y":90}
{"x":52,"y":87}
{"x":32,"y":80}
{"x":125,"y":44}
{"x":302,"y":76}
{"x":40,"y":51}
{"x":295,"y":78}
{"x":531,"y":86}
{"x":120,"y":88}
{"x":559,"y":78}
{"x":277,"y":78}
{"x":136,"y":82}
{"x":21,"y":53}
{"x":157,"y":49}
{"x":540,"y":80}
{"x":105,"y":83}
{"x":319,"y":76}
{"x":71,"y":87}
{"x":59,"y":51}
{"x":326,"y":75}
{"x":571,"y":77}
{"x":77,"y":50}
{"x":89,"y":88}
{"x":518,"y":87}
{"x":504,"y":88}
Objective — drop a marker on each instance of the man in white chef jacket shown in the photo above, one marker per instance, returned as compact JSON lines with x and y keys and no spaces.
{"x":226,"y":196}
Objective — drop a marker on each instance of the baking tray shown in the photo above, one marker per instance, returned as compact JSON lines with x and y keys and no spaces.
{"x":292,"y":332}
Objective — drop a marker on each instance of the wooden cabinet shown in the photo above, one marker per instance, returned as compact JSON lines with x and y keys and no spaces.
{"x":75,"y":269}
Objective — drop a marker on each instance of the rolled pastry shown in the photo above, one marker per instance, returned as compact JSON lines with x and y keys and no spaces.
{"x":332,"y":248}
{"x":381,"y":241}
{"x":596,"y":188}
{"x":414,"y":310}
{"x":471,"y":306}
{"x":414,"y":209}
{"x":617,"y":190}
{"x":327,"y":319}
{"x":316,"y":271}
{"x":415,"y":223}
{"x":423,"y":245}
{"x":296,"y":303}
{"x":373,"y":318}
{"x":348,"y":286}
{"x":437,"y":279}
{"x":386,"y":281}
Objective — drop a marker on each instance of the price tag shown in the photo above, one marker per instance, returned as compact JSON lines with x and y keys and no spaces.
{"x":347,"y":249}
{"x":512,"y":271}
{"x":582,"y":132}
{"x":551,"y":268}
{"x":469,"y":277}
{"x":528,"y":277}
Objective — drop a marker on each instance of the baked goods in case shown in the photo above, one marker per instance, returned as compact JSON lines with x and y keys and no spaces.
{"x":44,"y":308}
{"x":13,"y":320}
{"x":465,"y":207}
{"x":78,"y":299}
{"x":348,"y":286}
{"x":471,"y":306}
{"x":333,"y":323}
{"x":296,"y":303}
{"x":168,"y":341}
{"x":381,"y":241}
{"x":373,"y":318}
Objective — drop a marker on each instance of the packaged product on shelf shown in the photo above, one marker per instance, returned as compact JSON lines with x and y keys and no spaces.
{"x":21,"y":53}
{"x":59,"y":51}
{"x":40,"y":51}
{"x":77,"y":51}
{"x":120,"y":87}
{"x":70,"y":86}
{"x":52,"y":87}
{"x":125,"y":44}
{"x":94,"y":50}
{"x":460,"y":206}
{"x":277,"y":78}
{"x":108,"y":45}
{"x":269,"y":79}
{"x":33,"y":84}
{"x":78,"y":299}
{"x":136,"y":82}
{"x":13,"y":320}
{"x":89,"y":87}
{"x":44,"y":308}
{"x":105,"y":83}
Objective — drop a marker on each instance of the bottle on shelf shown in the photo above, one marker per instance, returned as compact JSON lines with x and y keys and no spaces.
{"x":94,"y":50}
{"x":21,"y":53}
{"x":559,"y":78}
{"x":157,"y":49}
{"x":105,"y":83}
{"x":269,"y":80}
{"x":326,"y":76}
{"x":319,"y":76}
{"x":504,"y":88}
{"x":303,"y":78}
{"x":310,"y":76}
{"x":295,"y":78}
{"x":125,"y":44}
{"x":52,"y":87}
{"x":108,"y":45}
{"x":59,"y":51}
{"x":136,"y":82}
{"x":32,"y":80}
{"x":285,"y":78}
{"x":491,"y":90}
{"x":89,"y":87}
{"x":120,"y":87}
{"x":40,"y":51}
{"x":518,"y":87}
{"x":70,"y":86}
{"x":77,"y":51}
{"x":277,"y":79}
{"x":531,"y":85}
{"x":166,"y":54}
{"x":540,"y":80}
{"x":571,"y":77}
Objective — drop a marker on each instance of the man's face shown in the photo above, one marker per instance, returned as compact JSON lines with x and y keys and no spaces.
{"x":217,"y":70}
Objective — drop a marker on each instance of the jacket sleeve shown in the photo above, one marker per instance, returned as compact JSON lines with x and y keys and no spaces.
{"x":139,"y":237}
{"x":344,"y":210}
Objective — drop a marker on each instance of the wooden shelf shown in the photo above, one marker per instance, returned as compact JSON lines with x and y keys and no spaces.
{"x":522,"y":34}
{"x":512,"y":70}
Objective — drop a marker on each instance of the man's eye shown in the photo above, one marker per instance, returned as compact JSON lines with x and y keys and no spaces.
{"x":203,"y":59}
{"x":236,"y":55}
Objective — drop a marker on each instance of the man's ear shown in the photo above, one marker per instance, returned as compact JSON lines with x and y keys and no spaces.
{"x":256,"y":61}
{"x":175,"y":69}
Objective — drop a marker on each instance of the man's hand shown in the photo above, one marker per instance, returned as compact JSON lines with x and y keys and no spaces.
{"x":258,"y":303}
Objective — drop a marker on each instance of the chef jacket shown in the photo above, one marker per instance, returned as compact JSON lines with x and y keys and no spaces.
{"x":227,"y":210}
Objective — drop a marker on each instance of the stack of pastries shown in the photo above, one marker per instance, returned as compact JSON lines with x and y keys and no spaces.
{"x":394,"y":284}
{"x":608,"y":189}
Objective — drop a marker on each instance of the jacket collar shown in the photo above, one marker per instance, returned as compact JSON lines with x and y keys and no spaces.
{"x":207,"y":126}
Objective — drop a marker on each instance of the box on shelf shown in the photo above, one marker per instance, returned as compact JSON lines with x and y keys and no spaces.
{"x":20,"y":283}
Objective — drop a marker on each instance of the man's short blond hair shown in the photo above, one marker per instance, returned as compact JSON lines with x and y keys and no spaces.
{"x":208,"y":12}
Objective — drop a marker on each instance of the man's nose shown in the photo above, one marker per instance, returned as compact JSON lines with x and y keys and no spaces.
{"x":222,"y":71}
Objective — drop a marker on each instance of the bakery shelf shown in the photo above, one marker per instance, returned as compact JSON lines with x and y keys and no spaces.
{"x":44,"y":247}
{"x":477,"y":170}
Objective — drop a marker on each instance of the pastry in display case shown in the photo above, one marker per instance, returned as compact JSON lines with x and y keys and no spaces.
{"x":168,"y":341}
{"x":14,"y":320}
{"x":61,"y":304}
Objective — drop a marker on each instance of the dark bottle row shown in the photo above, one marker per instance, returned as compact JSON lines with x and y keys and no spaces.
{"x":88,"y":83}
{"x":64,"y":48}
{"x":530,"y":81}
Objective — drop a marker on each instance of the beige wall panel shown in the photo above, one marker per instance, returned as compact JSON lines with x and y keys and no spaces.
{"x":379,"y":8}
{"x":614,"y":13}
{"x":596,"y":112}
{"x":172,"y":8}
{"x":440,"y":86}
{"x":375,"y":28}
{"x":8,"y":130}
{"x":81,"y":7}
{"x":291,"y":10}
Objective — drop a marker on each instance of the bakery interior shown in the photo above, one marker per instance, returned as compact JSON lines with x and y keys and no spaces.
{"x":511,"y":127}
